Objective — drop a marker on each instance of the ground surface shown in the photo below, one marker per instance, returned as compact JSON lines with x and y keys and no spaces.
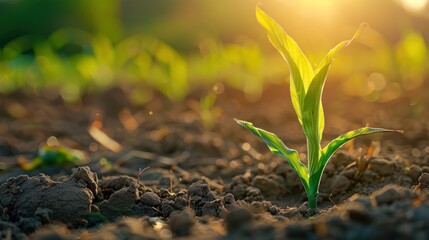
{"x":218,"y":183}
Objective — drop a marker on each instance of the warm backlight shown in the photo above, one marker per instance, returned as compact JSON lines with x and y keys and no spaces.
{"x":414,"y":5}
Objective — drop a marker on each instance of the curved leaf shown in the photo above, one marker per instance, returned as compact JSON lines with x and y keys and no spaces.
{"x":335,"y":144}
{"x":314,"y":121}
{"x":278,"y":147}
{"x":301,"y":70}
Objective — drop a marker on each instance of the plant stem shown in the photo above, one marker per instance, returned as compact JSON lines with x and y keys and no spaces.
{"x":313,"y":151}
{"x":312,"y":200}
{"x":313,"y":190}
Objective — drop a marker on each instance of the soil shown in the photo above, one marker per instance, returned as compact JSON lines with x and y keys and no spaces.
{"x":169,"y":176}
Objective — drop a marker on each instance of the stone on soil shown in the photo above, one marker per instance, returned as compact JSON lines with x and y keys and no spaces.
{"x":150,"y":199}
{"x":414,"y":172}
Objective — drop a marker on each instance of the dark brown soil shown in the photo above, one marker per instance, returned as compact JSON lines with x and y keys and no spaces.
{"x":218,"y":183}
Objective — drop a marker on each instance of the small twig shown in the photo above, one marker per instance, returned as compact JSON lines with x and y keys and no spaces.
{"x":330,"y":199}
{"x":189,"y":201}
{"x":139,"y":173}
{"x":181,"y":171}
{"x":167,"y":161}
{"x":154,"y":208}
{"x":212,"y":183}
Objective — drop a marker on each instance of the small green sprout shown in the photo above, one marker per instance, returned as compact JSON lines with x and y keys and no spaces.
{"x":306,"y":87}
{"x":54,"y":156}
{"x":208,"y":110}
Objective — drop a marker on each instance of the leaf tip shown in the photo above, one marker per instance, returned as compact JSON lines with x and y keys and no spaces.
{"x":364,"y":25}
{"x":241,"y":122}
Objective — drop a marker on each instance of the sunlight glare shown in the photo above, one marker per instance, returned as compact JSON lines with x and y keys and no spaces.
{"x":414,"y":5}
{"x":322,"y":9}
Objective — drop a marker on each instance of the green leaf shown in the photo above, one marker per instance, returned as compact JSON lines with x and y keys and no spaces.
{"x":313,"y":116}
{"x":278,"y":147}
{"x":301,"y":70}
{"x":331,"y":54}
{"x":335,"y":144}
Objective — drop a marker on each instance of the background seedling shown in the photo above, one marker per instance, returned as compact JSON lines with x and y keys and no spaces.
{"x":207,"y":109}
{"x":54,"y":156}
{"x":306,"y":87}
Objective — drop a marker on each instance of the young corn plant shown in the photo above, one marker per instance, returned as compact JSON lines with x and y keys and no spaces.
{"x":306,"y":87}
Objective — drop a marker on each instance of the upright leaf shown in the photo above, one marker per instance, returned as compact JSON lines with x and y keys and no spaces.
{"x":313,"y":115}
{"x":278,"y":147}
{"x":300,"y":68}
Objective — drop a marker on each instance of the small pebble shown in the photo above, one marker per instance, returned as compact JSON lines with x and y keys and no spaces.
{"x":150,"y":199}
{"x":414,"y":172}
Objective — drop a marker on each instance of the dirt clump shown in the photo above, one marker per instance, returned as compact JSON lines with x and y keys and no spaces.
{"x":382,"y":167}
{"x":181,"y":223}
{"x":41,"y":197}
{"x":340,"y":183}
{"x":203,"y":200}
{"x":10,"y":231}
{"x":207,"y":184}
{"x":150,"y":199}
{"x":120,"y":203}
{"x":270,"y":186}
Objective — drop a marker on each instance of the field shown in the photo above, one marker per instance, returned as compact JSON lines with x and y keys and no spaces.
{"x":115,"y":143}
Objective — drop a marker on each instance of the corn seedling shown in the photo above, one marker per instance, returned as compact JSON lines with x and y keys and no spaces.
{"x":306,"y":87}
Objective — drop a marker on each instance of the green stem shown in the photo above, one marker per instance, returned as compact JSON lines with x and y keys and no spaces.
{"x":313,"y":151}
{"x":312,"y":200}
{"x":313,"y":190}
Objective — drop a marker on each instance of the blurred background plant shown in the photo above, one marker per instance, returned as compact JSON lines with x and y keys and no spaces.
{"x":206,"y":107}
{"x":73,"y":47}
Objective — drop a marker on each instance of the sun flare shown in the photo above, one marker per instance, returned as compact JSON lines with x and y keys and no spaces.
{"x":414,"y":5}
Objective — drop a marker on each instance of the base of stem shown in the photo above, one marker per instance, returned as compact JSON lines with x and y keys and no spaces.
{"x":312,"y":201}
